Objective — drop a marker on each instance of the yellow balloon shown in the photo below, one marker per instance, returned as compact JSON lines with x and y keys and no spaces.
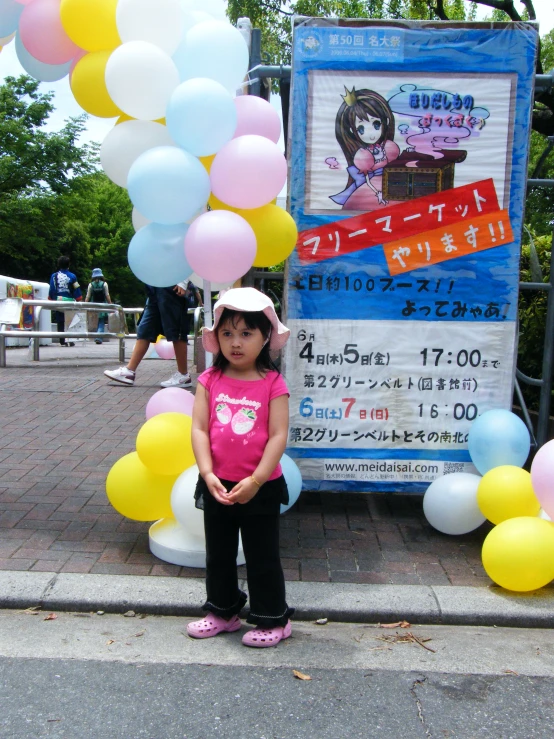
{"x":89,"y":87}
{"x":216,"y":204}
{"x":137,"y":492}
{"x":207,"y":163}
{"x":518,"y":554}
{"x":507,"y":492}
{"x":276,"y":234}
{"x":164,"y":443}
{"x":90,"y":23}
{"x":124,"y":117}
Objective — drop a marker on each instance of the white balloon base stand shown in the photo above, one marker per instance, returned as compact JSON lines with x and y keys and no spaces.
{"x":172,"y":543}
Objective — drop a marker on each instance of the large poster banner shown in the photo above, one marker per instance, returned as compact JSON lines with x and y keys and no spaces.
{"x":408,"y":158}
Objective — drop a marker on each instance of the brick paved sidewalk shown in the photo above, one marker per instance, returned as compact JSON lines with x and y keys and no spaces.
{"x":63,"y":426}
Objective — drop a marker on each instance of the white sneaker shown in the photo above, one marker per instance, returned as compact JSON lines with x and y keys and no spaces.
{"x":121,"y":374}
{"x":177,"y":380}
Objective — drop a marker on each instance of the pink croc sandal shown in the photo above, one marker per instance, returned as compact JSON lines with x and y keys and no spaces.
{"x":267,"y":637}
{"x":211,"y":625}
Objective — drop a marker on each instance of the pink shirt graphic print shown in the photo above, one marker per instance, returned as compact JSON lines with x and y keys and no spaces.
{"x":239,"y":421}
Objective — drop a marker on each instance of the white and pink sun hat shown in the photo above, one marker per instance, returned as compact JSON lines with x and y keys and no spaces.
{"x":246,"y":299}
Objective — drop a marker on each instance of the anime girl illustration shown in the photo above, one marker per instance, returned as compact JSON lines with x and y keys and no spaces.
{"x":364,"y":128}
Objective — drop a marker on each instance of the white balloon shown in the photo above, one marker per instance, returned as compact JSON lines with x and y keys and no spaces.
{"x":217,"y":50}
{"x":190,"y":18}
{"x":182,"y":502}
{"x":159,"y":22}
{"x":140,"y":79}
{"x":127,"y":141}
{"x":543,"y":514}
{"x":139,"y":221}
{"x":450,"y":503}
{"x":214,"y":286}
{"x":216,"y":8}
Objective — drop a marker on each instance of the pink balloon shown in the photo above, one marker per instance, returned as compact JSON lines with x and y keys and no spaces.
{"x":220,"y":246}
{"x":165,"y":349}
{"x":23,"y":2}
{"x":170,"y":400}
{"x":542,"y":477}
{"x":248,"y":172}
{"x":43,"y":35}
{"x":256,"y":116}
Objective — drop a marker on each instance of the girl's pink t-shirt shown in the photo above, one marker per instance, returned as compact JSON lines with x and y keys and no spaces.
{"x":239,"y":421}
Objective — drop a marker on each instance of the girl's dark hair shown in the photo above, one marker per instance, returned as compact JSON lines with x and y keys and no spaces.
{"x":253,"y":320}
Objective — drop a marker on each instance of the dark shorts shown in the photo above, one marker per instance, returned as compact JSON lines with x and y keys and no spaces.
{"x":165,"y":313}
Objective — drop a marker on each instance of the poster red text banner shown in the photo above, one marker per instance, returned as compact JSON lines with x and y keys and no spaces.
{"x":397,"y":222}
{"x":457,"y":240}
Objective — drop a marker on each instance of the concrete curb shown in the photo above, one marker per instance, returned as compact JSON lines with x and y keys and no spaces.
{"x":169,"y":596}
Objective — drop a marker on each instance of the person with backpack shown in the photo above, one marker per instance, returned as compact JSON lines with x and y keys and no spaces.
{"x":98,"y":293}
{"x":63,"y":286}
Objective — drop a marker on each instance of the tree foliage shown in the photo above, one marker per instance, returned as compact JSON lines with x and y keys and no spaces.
{"x":54,"y":200}
{"x":31,"y":159}
{"x":274,"y":19}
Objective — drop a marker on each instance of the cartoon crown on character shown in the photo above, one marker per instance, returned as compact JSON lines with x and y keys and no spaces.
{"x":350,"y":98}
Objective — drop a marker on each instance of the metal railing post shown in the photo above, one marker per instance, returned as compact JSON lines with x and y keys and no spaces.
{"x":36,"y":335}
{"x":547,"y":362}
{"x":36,"y":327}
{"x":122,"y":328}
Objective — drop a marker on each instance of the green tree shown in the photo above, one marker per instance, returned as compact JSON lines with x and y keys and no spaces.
{"x":110,"y":231}
{"x":39,"y":173}
{"x":54,"y":200}
{"x":31,"y":159}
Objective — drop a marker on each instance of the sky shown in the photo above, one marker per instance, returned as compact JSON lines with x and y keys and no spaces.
{"x":97,"y":128}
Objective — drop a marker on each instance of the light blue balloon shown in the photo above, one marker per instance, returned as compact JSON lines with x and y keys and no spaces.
{"x":39,"y":70}
{"x":201,"y":116}
{"x":9,"y":16}
{"x":213,"y":49}
{"x":293,"y":478}
{"x":157,"y":255}
{"x":168,"y":185}
{"x":496,"y":438}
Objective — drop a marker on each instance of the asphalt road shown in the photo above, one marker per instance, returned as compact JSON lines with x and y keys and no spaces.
{"x":108,"y":676}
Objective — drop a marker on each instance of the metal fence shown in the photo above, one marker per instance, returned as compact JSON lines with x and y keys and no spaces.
{"x":63,"y":306}
{"x":120,"y":334}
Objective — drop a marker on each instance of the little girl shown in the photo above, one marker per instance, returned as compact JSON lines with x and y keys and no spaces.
{"x":239,"y":433}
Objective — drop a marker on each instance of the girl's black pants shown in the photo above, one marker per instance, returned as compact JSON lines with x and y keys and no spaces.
{"x":258,"y":523}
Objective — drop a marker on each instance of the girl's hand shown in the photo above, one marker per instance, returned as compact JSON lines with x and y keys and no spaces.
{"x":243,"y":491}
{"x":213,"y":483}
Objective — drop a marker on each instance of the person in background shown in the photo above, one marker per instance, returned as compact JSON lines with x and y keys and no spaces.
{"x":63,"y":286}
{"x":98,"y":293}
{"x":194,"y":299}
{"x":193,"y":295}
{"x":166,"y":312}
